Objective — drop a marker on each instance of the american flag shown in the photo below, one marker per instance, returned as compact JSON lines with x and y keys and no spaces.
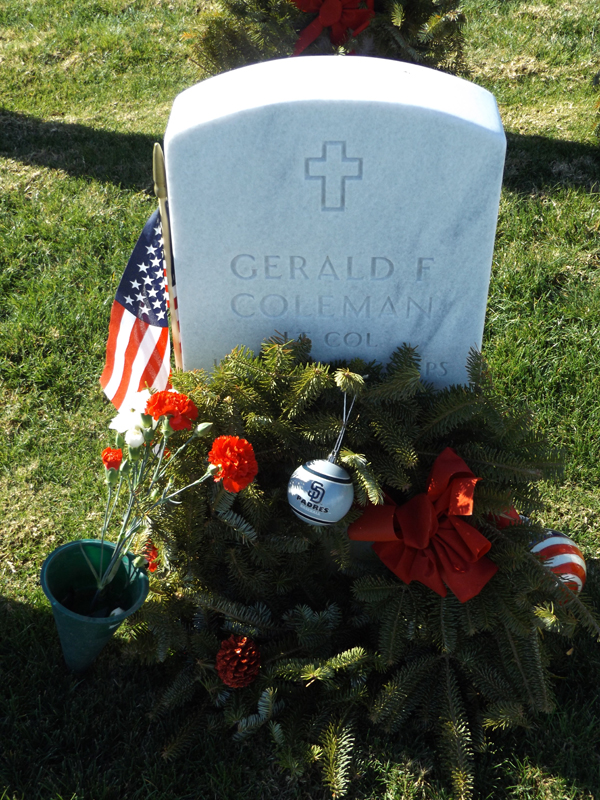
{"x":138,"y":351}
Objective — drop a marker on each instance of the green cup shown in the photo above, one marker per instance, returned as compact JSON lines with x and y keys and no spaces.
{"x":66,"y":578}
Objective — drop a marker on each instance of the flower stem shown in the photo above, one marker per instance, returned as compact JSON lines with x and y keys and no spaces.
{"x":156,"y":474}
{"x":95,"y":599}
{"x":206,"y":475}
{"x":107,"y":517}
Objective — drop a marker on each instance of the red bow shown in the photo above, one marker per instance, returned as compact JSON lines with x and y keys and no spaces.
{"x":339,"y":15}
{"x":426,"y":539}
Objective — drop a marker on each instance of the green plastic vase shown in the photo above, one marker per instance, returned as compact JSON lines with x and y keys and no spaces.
{"x":66,"y":574}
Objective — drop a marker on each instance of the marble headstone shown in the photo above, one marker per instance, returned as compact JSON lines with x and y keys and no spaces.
{"x":352,"y":199}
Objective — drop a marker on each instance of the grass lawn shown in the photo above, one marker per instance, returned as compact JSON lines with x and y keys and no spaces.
{"x":85,"y":90}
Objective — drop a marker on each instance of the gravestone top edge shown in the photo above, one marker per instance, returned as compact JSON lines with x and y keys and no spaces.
{"x":316,"y":79}
{"x":352,"y":199}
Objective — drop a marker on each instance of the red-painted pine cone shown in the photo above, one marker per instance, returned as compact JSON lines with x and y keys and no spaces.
{"x":238,"y":661}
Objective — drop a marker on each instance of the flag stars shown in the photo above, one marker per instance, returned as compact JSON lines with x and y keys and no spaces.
{"x":143,"y":290}
{"x":138,"y":295}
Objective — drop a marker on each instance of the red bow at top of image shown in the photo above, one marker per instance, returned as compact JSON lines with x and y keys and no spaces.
{"x":427,"y":539}
{"x":338,"y":15}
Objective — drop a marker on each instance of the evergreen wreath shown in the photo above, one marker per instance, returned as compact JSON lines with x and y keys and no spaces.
{"x":318,"y":636}
{"x":235,"y":33}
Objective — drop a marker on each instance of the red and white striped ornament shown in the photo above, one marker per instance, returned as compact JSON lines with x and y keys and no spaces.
{"x":564,"y":558}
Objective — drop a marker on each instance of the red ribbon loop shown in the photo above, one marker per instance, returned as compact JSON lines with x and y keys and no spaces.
{"x":338,"y":15}
{"x":427,"y":539}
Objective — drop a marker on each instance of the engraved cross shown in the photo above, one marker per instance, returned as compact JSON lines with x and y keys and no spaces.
{"x":333,"y":169}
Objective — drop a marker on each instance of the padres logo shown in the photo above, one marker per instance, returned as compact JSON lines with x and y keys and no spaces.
{"x":320,"y":492}
{"x":316,"y":492}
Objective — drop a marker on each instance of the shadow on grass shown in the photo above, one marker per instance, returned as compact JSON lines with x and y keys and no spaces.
{"x":91,"y":736}
{"x":532,"y":163}
{"x":124,"y":159}
{"x":538,"y":163}
{"x":559,"y":756}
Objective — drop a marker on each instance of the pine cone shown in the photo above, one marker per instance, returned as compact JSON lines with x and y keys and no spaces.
{"x":238,"y":661}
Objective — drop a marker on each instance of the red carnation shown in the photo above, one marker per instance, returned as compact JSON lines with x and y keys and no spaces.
{"x":179,"y":409}
{"x":238,"y":661}
{"x":150,"y":553}
{"x":112,"y":458}
{"x":236,"y":459}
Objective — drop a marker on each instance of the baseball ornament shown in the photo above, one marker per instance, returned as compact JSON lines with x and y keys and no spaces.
{"x":562,"y":557}
{"x":320,"y":492}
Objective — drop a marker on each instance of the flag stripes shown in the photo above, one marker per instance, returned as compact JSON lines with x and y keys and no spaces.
{"x":138,"y":350}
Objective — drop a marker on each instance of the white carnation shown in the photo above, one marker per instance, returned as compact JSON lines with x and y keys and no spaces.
{"x":134,"y":437}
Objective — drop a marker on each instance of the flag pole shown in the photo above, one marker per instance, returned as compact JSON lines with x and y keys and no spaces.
{"x":160,"y":190}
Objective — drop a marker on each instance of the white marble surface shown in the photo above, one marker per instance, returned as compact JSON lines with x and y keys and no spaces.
{"x":352,"y":199}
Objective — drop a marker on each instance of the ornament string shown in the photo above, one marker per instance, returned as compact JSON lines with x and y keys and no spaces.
{"x":345,"y":417}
